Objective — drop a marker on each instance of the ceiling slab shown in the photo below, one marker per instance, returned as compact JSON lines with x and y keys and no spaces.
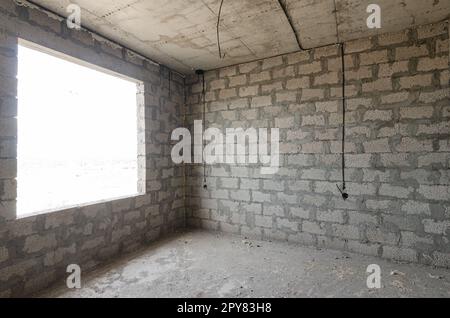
{"x":182,"y":33}
{"x":396,"y":15}
{"x":314,"y":20}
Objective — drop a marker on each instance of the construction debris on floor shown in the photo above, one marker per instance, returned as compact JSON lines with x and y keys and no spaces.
{"x":203,"y":264}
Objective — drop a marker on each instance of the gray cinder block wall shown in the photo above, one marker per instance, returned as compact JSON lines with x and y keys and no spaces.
{"x":398,"y":148}
{"x":398,"y":144}
{"x":35,"y":251}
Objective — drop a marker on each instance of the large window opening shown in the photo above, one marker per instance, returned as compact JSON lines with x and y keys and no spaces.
{"x":77,"y":133}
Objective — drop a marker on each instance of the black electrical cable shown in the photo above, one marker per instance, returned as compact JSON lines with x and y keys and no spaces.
{"x":202,"y":74}
{"x":218,"y":31}
{"x":204,"y":122}
{"x":343,"y":191}
{"x":285,"y":10}
{"x":343,"y":115}
{"x":184,"y":166}
{"x":284,"y":7}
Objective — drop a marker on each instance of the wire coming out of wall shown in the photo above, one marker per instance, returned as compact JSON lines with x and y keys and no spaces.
{"x":201,"y":73}
{"x":183,"y":107}
{"x":284,"y":7}
{"x":343,"y":190}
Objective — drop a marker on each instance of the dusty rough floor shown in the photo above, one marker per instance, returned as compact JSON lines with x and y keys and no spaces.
{"x":203,"y":264}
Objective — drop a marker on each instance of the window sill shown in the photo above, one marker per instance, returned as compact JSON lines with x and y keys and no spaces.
{"x":77,"y":206}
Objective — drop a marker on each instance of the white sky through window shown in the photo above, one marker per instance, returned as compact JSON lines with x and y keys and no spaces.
{"x":77,"y":134}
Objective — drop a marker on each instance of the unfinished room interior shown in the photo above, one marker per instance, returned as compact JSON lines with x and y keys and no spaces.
{"x":224,"y":149}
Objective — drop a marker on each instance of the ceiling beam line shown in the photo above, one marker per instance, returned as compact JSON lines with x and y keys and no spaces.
{"x":296,"y":33}
{"x":291,"y":23}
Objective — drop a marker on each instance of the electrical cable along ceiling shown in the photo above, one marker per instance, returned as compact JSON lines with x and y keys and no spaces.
{"x":182,"y":34}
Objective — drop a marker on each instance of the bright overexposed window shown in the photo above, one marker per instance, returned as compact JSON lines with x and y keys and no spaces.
{"x":77,"y":133}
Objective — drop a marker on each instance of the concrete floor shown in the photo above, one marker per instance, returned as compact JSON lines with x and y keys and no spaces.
{"x":203,"y":264}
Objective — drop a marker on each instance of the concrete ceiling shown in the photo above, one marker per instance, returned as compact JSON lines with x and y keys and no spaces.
{"x":182,"y":33}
